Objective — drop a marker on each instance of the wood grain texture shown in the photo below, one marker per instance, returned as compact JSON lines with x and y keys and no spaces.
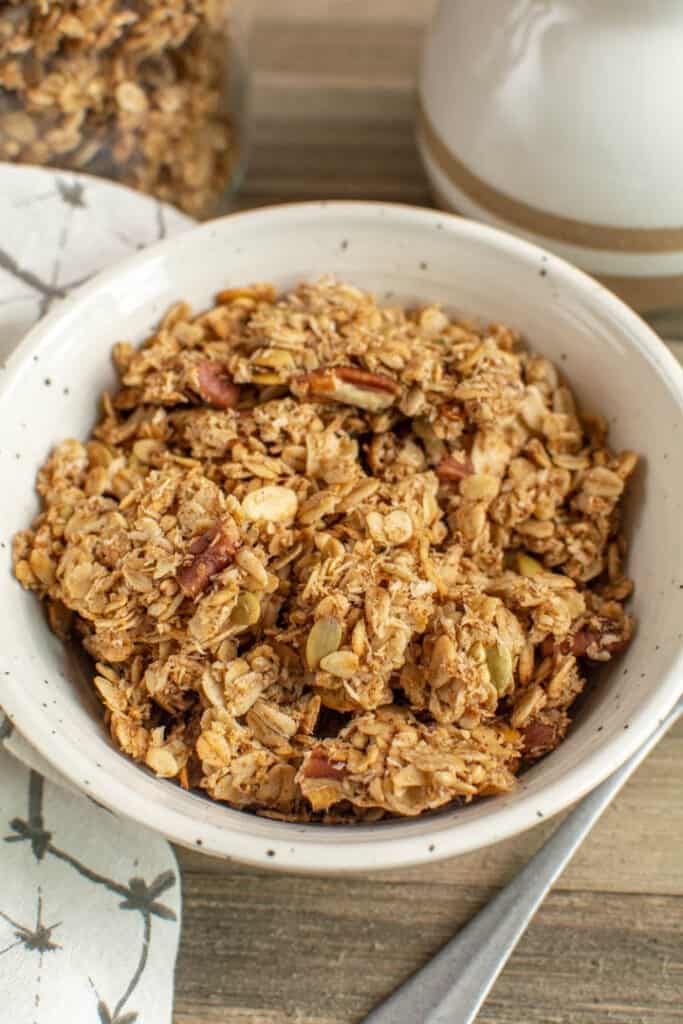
{"x":296,"y":949}
{"x":333,"y":103}
{"x":333,"y":117}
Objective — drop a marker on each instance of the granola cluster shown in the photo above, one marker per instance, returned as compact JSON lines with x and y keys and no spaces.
{"x":132,"y":91}
{"x":334,"y":560}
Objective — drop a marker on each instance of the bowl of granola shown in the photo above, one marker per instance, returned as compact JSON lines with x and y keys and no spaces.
{"x":336,"y":570}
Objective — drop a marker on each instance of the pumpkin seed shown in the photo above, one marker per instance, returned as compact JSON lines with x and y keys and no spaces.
{"x":247,"y":610}
{"x":324,"y":639}
{"x":274,"y":359}
{"x":266,"y":378}
{"x":499,"y":661}
{"x":528,"y":566}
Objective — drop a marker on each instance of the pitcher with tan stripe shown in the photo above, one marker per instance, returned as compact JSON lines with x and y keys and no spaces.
{"x":560,"y":120}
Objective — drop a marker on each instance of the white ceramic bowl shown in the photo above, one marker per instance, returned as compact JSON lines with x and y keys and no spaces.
{"x":617,"y":365}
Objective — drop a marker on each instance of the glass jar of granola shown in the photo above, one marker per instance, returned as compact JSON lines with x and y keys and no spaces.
{"x":151,"y":93}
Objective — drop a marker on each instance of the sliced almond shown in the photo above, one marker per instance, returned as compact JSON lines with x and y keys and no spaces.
{"x":398,"y":527}
{"x":343,"y":664}
{"x":359,"y":638}
{"x":480,"y":487}
{"x":528,"y":704}
{"x":272,"y":503}
{"x":532,"y":408}
{"x":443,"y":655}
{"x":360,"y":493}
{"x":42,"y":566}
{"x":317,"y":506}
{"x":213,"y":691}
{"x":147,"y":450}
{"x":113,"y":696}
{"x":249,"y":563}
{"x":375,"y":523}
{"x":162,"y":762}
{"x":477,"y":653}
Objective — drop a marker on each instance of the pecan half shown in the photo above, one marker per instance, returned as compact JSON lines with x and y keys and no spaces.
{"x":606,"y":640}
{"x":453,"y":470}
{"x":548,"y":647}
{"x":318,"y":766}
{"x":216,"y":386}
{"x":539,"y":738}
{"x":597,"y":642}
{"x":208,"y":554}
{"x":349,"y":385}
{"x":365,"y":379}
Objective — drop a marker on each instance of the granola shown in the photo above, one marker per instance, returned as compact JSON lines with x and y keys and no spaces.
{"x":135,"y":92}
{"x":332,"y":560}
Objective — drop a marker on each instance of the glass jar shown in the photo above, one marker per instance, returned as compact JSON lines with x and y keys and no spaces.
{"x":151,"y":93}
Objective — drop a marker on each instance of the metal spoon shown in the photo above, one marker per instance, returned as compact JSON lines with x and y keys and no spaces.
{"x":452,"y":986}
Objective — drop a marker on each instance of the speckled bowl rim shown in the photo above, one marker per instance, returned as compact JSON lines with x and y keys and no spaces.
{"x":428,"y":839}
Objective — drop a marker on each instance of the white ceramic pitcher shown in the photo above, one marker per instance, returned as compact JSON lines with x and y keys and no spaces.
{"x":562,"y":120}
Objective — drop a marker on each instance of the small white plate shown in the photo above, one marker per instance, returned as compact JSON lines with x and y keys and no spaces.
{"x":58,"y":229}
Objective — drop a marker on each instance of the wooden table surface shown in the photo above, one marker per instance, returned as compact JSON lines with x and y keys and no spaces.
{"x":333,"y":106}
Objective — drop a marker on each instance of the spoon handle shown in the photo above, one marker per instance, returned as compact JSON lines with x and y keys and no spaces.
{"x":452,"y":986}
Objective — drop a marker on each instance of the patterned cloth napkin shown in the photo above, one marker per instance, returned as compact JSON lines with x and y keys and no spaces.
{"x":90,"y":903}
